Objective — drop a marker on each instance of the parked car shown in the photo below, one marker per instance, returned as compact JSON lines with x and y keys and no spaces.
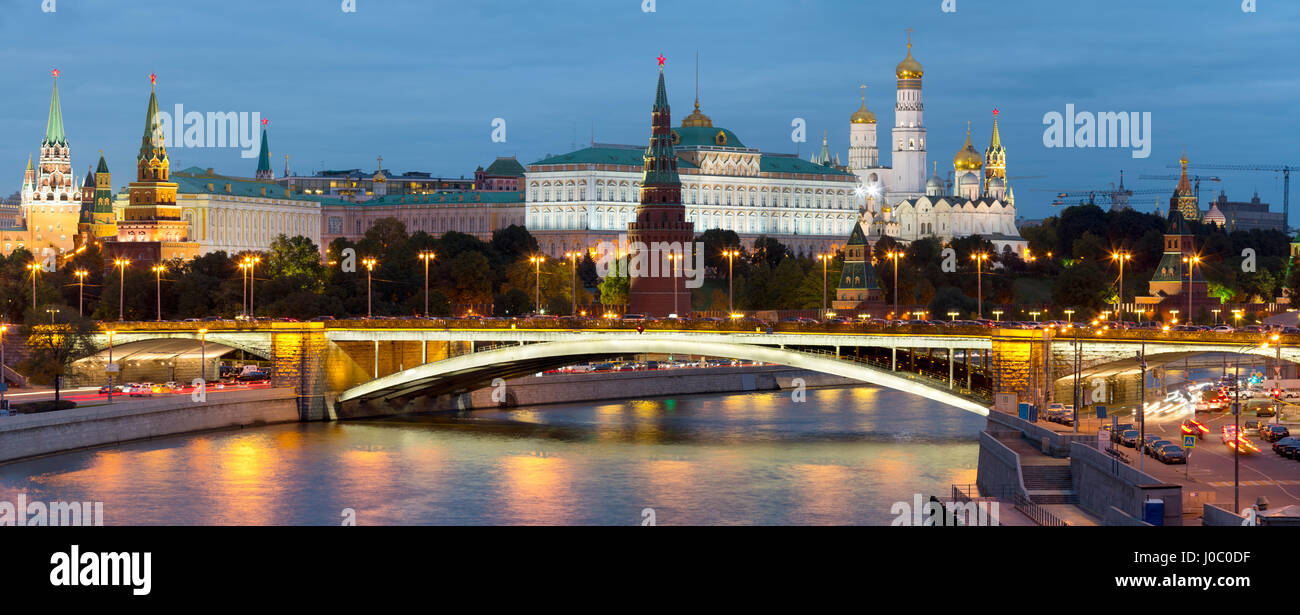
{"x":1129,"y":438}
{"x":1272,"y":433}
{"x":1171,"y":453}
{"x":1288,"y":447}
{"x":1156,"y":445}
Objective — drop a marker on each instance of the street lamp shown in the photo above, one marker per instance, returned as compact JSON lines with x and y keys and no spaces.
{"x":121,"y":264}
{"x":894,"y":255}
{"x":369,"y":262}
{"x":35,"y":268}
{"x":825,"y":259}
{"x":573,"y":262}
{"x":109,"y":368}
{"x":730,"y":255}
{"x":997,"y":315}
{"x":673,"y":259}
{"x":426,"y":256}
{"x":537,"y":261}
{"x":1120,"y":257}
{"x":52,"y":312}
{"x":1192,"y":261}
{"x":157,"y":272}
{"x":203,"y":355}
{"x":1174,"y":313}
{"x":952,"y":316}
{"x":979,"y":259}
{"x":1035,"y":314}
{"x":4,"y":379}
{"x":1069,"y":316}
{"x":252,"y":284}
{"x":81,"y":289}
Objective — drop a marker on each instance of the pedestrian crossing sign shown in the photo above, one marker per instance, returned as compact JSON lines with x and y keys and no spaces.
{"x":1189,"y":441}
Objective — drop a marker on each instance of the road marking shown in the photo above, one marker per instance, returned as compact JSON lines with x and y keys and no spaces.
{"x":1255,"y":483}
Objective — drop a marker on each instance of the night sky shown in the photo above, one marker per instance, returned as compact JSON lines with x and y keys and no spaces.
{"x":419,"y":82}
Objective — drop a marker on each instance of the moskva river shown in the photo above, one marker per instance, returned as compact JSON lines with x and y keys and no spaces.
{"x":839,"y":456}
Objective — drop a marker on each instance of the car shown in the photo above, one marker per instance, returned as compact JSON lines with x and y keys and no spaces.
{"x":1155,"y":446}
{"x":103,"y":389}
{"x":1238,"y":440}
{"x":1264,"y":409}
{"x":634,"y":317}
{"x":1129,"y":438}
{"x":1223,"y":329}
{"x":1171,"y":453}
{"x":1193,"y":427}
{"x":1272,"y":433}
{"x":1280,"y":447}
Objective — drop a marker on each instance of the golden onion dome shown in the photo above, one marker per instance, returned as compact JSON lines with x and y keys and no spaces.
{"x":697,"y":118}
{"x":909,"y":68}
{"x":862,"y":115}
{"x":967,"y":159}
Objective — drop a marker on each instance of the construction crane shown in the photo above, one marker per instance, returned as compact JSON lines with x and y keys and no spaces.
{"x":1284,"y":169}
{"x":1092,"y":195}
{"x":1195,"y":178}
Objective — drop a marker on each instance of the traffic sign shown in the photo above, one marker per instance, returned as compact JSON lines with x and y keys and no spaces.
{"x":1189,"y":441}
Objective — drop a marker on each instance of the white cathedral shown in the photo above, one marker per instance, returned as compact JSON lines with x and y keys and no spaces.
{"x":900,"y":202}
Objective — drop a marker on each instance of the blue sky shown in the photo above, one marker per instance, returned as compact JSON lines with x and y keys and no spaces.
{"x":420,"y":81}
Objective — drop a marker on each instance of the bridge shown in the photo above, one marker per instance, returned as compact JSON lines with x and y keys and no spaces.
{"x":349,"y":368}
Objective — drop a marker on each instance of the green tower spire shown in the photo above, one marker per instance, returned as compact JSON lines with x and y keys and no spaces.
{"x":264,"y":158}
{"x":54,"y":125}
{"x":660,"y":156}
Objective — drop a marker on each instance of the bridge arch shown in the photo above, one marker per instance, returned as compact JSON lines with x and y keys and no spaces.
{"x":472,"y":371}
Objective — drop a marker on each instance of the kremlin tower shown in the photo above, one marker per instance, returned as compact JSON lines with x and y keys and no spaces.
{"x":152,"y":229}
{"x":264,"y":171}
{"x":995,"y":167}
{"x":51,"y":200}
{"x":660,"y":222}
{"x":1184,"y":198}
{"x":909,"y":130}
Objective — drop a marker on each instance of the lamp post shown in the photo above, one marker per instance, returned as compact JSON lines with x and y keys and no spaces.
{"x":537,"y":261}
{"x":997,"y":314}
{"x":1120,"y":257}
{"x":1191,"y":261}
{"x":252,"y":285}
{"x":673,"y":259}
{"x":35,"y":268}
{"x":1216,"y":315}
{"x":81,"y":290}
{"x":157,"y":273}
{"x":730,"y":255}
{"x":573,"y":262}
{"x":1034,"y":315}
{"x":4,"y":378}
{"x":1142,"y":408}
{"x":1277,"y":378}
{"x":952,"y":316}
{"x":426,"y":256}
{"x":121,"y":264}
{"x":894,"y":255}
{"x":52,"y":312}
{"x":1174,"y":313}
{"x":203,"y":355}
{"x":109,"y":367}
{"x":369,"y":263}
{"x":1069,"y":316}
{"x":825,"y":259}
{"x":979,"y":259}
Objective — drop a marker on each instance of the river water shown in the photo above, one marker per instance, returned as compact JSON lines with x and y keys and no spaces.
{"x":840,"y":456}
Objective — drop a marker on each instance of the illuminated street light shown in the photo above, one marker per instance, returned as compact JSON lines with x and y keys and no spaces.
{"x":825,"y":259}
{"x":537,"y":261}
{"x":730,"y":255}
{"x":35,"y":268}
{"x":1121,"y":258}
{"x":1192,"y":261}
{"x":426,"y":256}
{"x":121,"y":264}
{"x":81,"y":289}
{"x":369,"y":262}
{"x":157,"y":271}
{"x":979,"y":259}
{"x":894,"y":255}
{"x":997,"y":315}
{"x":573,"y":261}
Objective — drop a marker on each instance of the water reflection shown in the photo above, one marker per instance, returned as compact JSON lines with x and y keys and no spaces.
{"x":842,"y":456}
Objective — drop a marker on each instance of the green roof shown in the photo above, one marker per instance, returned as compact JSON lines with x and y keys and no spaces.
{"x":629,"y":155}
{"x":508,"y":167}
{"x":858,"y":275}
{"x":490,"y":197}
{"x":103,"y":166}
{"x":705,"y":136}
{"x":54,"y":125}
{"x":784,"y":163}
{"x":194,"y":180}
{"x":857,"y":237}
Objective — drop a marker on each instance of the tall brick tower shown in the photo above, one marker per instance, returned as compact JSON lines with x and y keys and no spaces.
{"x":661,"y":229}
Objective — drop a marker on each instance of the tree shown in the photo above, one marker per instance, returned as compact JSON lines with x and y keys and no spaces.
{"x":951,"y":299}
{"x":513,"y":243}
{"x":53,"y":347}
{"x":472,"y":278}
{"x":769,"y":251}
{"x":1081,"y":287}
{"x":616,"y":288}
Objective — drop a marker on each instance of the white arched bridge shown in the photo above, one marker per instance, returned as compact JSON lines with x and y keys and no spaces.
{"x":340,"y":365}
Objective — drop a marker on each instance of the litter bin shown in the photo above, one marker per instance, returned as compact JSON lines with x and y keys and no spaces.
{"x":1153,"y":511}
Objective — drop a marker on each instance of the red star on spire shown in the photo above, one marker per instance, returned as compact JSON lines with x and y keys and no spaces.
{"x":56,"y":73}
{"x":265,"y":121}
{"x":661,"y":60}
{"x":995,"y":112}
{"x":153,"y":79}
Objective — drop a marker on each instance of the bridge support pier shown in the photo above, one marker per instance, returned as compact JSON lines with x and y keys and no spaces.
{"x":893,"y":359}
{"x":950,"y":369}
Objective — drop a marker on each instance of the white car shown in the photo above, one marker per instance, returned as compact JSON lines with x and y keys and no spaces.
{"x":1223,"y":329}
